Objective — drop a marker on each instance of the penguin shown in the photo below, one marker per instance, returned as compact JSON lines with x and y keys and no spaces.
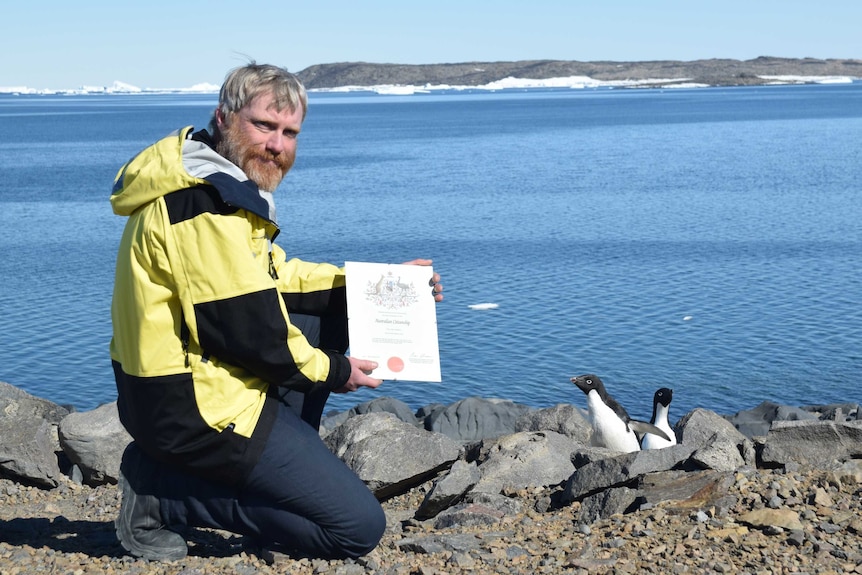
{"x":612,"y":426}
{"x":660,"y":407}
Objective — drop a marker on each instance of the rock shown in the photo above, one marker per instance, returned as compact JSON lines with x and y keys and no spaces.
{"x":719,"y":455}
{"x":389,"y":455}
{"x":449,"y":489}
{"x":719,"y":444}
{"x":94,"y":441}
{"x":476,"y":418}
{"x":427,"y":411}
{"x":606,"y":503}
{"x":441,"y":543}
{"x":681,"y":492}
{"x":563,"y":418}
{"x":762,"y":518}
{"x":468,"y":514}
{"x":621,"y":469}
{"x":849,"y":472}
{"x":385,"y":404}
{"x":623,"y":482}
{"x":813,"y":443}
{"x":331,"y":421}
{"x":757,"y":421}
{"x":822,"y":498}
{"x":29,"y":445}
{"x":388,"y":405}
{"x":834,"y":411}
{"x":523,"y":460}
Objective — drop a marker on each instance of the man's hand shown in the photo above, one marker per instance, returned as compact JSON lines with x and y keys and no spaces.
{"x":434,"y":282}
{"x":359,"y":370}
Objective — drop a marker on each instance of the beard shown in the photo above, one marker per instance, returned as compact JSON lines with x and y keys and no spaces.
{"x":264,"y":168}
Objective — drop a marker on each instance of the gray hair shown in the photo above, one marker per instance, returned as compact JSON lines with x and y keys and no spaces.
{"x":244,"y":84}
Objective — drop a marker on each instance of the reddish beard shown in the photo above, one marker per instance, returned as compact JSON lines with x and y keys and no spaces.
{"x":264,"y":168}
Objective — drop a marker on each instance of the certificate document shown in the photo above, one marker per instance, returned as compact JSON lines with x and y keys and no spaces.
{"x":392,"y":320}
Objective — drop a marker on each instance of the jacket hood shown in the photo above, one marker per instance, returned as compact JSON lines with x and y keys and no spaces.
{"x":181,"y":160}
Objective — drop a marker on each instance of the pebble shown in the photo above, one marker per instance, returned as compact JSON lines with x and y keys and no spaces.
{"x":784,"y":521}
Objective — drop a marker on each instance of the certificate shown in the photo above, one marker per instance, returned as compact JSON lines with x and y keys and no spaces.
{"x":391,"y":319}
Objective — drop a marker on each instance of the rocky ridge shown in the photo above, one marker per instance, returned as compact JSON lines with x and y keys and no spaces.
{"x":713,"y":72}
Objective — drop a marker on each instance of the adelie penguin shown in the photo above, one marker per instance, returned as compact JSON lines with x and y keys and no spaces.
{"x":660,"y":407}
{"x":612,"y":426}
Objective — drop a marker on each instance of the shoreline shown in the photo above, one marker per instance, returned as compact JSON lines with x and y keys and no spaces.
{"x":760,"y":514}
{"x":70,"y":530}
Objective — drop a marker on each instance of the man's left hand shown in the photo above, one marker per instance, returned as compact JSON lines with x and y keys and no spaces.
{"x":434,"y":282}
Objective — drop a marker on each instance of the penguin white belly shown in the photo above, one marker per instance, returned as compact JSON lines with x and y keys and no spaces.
{"x":609,"y":430}
{"x":651,"y":441}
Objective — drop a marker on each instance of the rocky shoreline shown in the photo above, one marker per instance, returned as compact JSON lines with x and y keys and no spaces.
{"x":519,"y":492}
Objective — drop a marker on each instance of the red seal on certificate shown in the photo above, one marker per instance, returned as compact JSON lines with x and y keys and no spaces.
{"x":395,"y":364}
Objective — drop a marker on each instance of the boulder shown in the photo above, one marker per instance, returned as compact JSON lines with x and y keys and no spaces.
{"x":476,"y":418}
{"x":388,"y":405}
{"x":524,"y":460}
{"x":389,"y":455}
{"x":719,"y":444}
{"x":812,"y":443}
{"x":29,"y":446}
{"x":94,"y":441}
{"x":563,"y":418}
{"x":622,"y":469}
{"x":385,"y":404}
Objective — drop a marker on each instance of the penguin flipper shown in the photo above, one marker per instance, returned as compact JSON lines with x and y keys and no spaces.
{"x":642,"y":428}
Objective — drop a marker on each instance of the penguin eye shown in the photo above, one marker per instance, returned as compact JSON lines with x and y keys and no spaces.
{"x":589,"y":382}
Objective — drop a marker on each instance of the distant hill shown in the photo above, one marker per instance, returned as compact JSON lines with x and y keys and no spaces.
{"x":716,"y":72}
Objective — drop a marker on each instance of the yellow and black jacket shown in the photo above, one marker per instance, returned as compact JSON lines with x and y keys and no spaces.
{"x":201,"y":331}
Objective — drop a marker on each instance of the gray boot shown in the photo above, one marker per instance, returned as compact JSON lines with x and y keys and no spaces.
{"x":139,"y":525}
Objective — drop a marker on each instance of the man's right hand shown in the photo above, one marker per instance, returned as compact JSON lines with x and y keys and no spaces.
{"x":359,"y":375}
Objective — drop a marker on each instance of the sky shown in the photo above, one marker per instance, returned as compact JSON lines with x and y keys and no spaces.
{"x":166,"y":44}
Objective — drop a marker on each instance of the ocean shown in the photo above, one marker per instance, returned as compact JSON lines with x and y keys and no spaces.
{"x":708,"y":240}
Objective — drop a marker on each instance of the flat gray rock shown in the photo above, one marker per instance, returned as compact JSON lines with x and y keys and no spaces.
{"x":812,"y":443}
{"x":524,"y":460}
{"x":390,"y":455}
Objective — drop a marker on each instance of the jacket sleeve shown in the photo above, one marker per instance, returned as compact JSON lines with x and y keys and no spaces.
{"x":234,"y":309}
{"x":318,"y":290}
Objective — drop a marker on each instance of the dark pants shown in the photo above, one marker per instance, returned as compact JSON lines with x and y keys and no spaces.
{"x":299,"y":494}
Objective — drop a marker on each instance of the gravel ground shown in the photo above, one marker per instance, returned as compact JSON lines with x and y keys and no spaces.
{"x":69,"y":530}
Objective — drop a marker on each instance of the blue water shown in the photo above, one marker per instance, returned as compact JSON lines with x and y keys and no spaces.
{"x":707,"y":240}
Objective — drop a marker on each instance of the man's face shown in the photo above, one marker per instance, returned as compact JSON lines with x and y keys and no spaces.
{"x":260,"y":140}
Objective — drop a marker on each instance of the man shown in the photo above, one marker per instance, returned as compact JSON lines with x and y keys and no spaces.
{"x":224,"y":351}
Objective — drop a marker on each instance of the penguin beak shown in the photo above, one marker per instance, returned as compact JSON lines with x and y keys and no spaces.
{"x":580,"y":384}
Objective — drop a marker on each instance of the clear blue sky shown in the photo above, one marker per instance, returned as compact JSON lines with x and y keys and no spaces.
{"x":54,"y":44}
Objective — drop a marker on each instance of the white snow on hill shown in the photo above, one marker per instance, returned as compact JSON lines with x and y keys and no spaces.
{"x":573,"y":82}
